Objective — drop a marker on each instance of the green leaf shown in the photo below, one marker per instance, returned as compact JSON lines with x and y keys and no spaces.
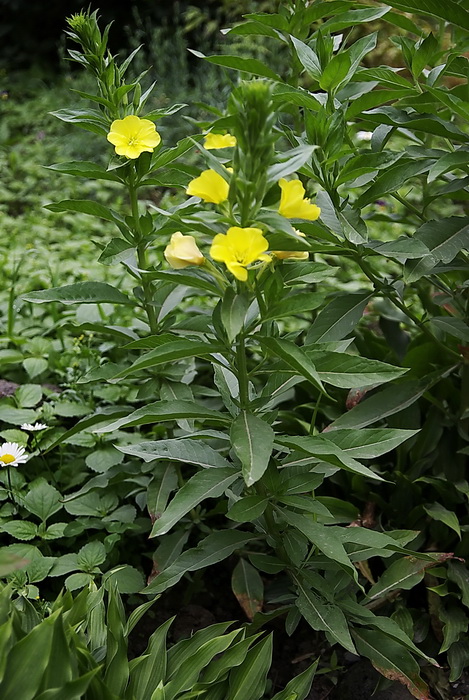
{"x":20,"y":529}
{"x":427,"y":123}
{"x":84,"y":206}
{"x":43,"y":500}
{"x":28,"y":395}
{"x":458,"y":659}
{"x":403,"y":574}
{"x":10,"y":562}
{"x":445,"y":237}
{"x":438,"y":512}
{"x":455,"y":327}
{"x":322,"y":538}
{"x":424,"y":55}
{"x":161,"y":411}
{"x":206,"y":484}
{"x":295,"y":357}
{"x":294,"y":304}
{"x":233,"y":312}
{"x":17,"y":416}
{"x":169,"y":352}
{"x":252,"y":440}
{"x":289,"y":162}
{"x":248,"y":588}
{"x":185,"y":450}
{"x":385,"y":402}
{"x":354,"y":17}
{"x":392,"y":179}
{"x":451,"y":11}
{"x":392,"y":660}
{"x":125,"y":578}
{"x":86,"y":169}
{"x":79,"y":293}
{"x":335,"y":72}
{"x":457,"y":572}
{"x":248,"y":65}
{"x":103,"y":459}
{"x":299,"y":687}
{"x":247,"y":509}
{"x":366,"y":443}
{"x":324,"y":616}
{"x":249,"y":679}
{"x":91,"y":555}
{"x":307,"y":57}
{"x":338,"y":318}
{"x":366,"y":163}
{"x":211,"y":550}
{"x":455,"y":625}
{"x":350,"y":371}
{"x":450,"y":161}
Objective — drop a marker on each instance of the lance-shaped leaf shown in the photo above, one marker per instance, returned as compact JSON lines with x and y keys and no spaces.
{"x":85,"y":169}
{"x":338,"y":318}
{"x":295,"y":357}
{"x":252,"y":440}
{"x":367,"y":443}
{"x":184,"y":450}
{"x":169,"y":352}
{"x":448,"y":517}
{"x":161,"y":411}
{"x":324,"y":615}
{"x":211,"y":550}
{"x":85,"y":206}
{"x":350,"y":371}
{"x":248,"y":588}
{"x":392,"y":179}
{"x":449,"y":10}
{"x":323,"y":538}
{"x":404,"y":574}
{"x":455,"y":327}
{"x":80,"y":293}
{"x":205,"y":484}
{"x":392,"y":660}
{"x":300,"y":686}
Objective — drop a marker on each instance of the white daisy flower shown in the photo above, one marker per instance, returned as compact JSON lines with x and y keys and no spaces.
{"x":11,"y":454}
{"x":33,"y":428}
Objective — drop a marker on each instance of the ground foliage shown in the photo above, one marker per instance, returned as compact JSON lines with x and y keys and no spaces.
{"x":306,"y":429}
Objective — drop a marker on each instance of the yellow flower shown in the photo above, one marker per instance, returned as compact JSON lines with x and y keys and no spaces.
{"x":292,"y":254}
{"x":132,"y":136}
{"x":213,"y":141}
{"x":238,"y":248}
{"x":293,"y":203}
{"x":209,"y":186}
{"x":182,"y":251}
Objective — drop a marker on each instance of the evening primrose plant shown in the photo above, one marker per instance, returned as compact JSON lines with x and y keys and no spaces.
{"x":259,"y":368}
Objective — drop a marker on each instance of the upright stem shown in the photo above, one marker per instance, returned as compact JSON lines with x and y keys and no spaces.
{"x":243,"y":379}
{"x":142,"y":261}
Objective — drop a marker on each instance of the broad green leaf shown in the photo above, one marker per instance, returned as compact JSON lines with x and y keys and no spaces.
{"x":185,"y":450}
{"x":289,"y":162}
{"x":299,"y":687}
{"x":169,"y":352}
{"x":80,"y":293}
{"x":450,"y":161}
{"x":402,"y":248}
{"x":376,"y":98}
{"x":295,"y":304}
{"x":295,"y":357}
{"x":91,"y":555}
{"x":338,"y":318}
{"x":233,"y":312}
{"x":335,"y":72}
{"x":455,"y":327}
{"x":458,"y":659}
{"x":126,"y":578}
{"x":43,"y":500}
{"x":84,"y":206}
{"x":28,"y":395}
{"x":206,"y":484}
{"x":424,"y":55}
{"x":354,"y":17}
{"x":247,"y":509}
{"x":252,"y":440}
{"x":455,"y":624}
{"x":366,"y":163}
{"x":161,"y":411}
{"x":86,"y":169}
{"x":351,"y":371}
{"x":151,"y":671}
{"x":18,"y":416}
{"x":457,"y":572}
{"x":426,"y":123}
{"x":449,"y":10}
{"x":438,"y":512}
{"x":324,"y":616}
{"x":102,"y":416}
{"x":307,"y":57}
{"x":404,"y":573}
{"x":248,"y":588}
{"x":20,"y":529}
{"x":248,"y":65}
{"x":445,"y":237}
{"x":211,"y":550}
{"x":392,"y":179}
{"x":323,"y":538}
{"x":366,"y":443}
{"x":71,"y":690}
{"x":385,"y":402}
{"x":392,"y":660}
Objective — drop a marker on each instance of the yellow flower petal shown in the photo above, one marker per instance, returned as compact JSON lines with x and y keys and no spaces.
{"x":238,"y":248}
{"x":294,"y":204}
{"x":291,"y":254}
{"x":132,"y":136}
{"x":182,"y":251}
{"x":209,"y":186}
{"x":213,"y":141}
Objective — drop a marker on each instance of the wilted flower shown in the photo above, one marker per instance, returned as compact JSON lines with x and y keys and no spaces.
{"x":213,"y":141}
{"x":238,"y":248}
{"x":209,"y":186}
{"x":294,"y":204}
{"x":11,"y":454}
{"x":132,"y":136}
{"x":182,"y":251}
{"x":33,"y":428}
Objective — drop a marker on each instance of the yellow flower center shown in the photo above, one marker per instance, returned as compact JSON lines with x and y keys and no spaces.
{"x":7,"y":459}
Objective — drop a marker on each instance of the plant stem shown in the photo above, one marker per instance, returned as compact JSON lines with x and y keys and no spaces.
{"x":242,"y":372}
{"x":409,"y":206}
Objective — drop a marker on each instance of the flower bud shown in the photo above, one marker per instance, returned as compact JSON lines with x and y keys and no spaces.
{"x":182,"y":251}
